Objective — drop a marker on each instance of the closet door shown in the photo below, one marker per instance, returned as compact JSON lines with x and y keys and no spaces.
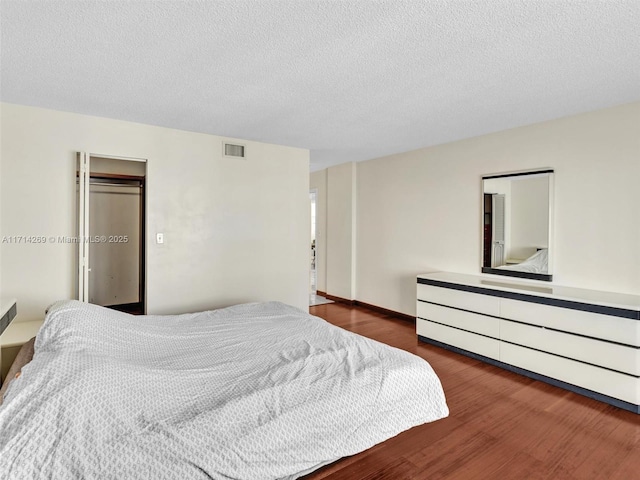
{"x":84,"y":176}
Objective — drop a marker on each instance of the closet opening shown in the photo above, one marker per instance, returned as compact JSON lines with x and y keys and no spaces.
{"x":313,"y":270}
{"x":111,"y":232}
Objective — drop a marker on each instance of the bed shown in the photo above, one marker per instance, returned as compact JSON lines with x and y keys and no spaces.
{"x":253,"y":391}
{"x":536,"y":263}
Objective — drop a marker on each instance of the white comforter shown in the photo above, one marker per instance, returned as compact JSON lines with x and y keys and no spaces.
{"x":536,"y":263}
{"x":254,"y":391}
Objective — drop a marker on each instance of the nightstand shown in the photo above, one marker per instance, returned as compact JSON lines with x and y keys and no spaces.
{"x":16,"y":335}
{"x":8,"y":311}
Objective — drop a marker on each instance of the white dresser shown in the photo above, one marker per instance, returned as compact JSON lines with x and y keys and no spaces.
{"x":582,"y":340}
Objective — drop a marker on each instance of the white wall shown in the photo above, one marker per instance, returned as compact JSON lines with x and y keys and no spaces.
{"x":318,"y":181}
{"x":235,"y":230}
{"x":341,"y":231}
{"x":421,"y":210}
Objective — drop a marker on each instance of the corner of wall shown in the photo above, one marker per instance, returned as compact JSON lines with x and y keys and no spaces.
{"x":341,"y":249}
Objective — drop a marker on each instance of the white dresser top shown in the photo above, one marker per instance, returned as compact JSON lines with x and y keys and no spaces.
{"x":593,"y":297}
{"x":5,"y":305}
{"x":7,"y":312}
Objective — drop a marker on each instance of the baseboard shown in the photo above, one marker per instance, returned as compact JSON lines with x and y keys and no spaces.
{"x":385,"y":311}
{"x":339,"y":299}
{"x":321,"y":294}
{"x":368,"y":306}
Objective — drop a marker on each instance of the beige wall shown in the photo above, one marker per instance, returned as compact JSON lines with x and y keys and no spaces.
{"x":341,"y":234}
{"x":235,"y":230}
{"x":421,"y":210}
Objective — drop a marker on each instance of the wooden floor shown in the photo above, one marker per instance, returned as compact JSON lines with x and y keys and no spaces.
{"x":501,"y":426}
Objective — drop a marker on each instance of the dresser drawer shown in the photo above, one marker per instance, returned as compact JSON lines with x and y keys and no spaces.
{"x":597,"y":352}
{"x":613,"y":384}
{"x":459,"y":338}
{"x":460,"y":319}
{"x":617,"y":329}
{"x":473,"y":302}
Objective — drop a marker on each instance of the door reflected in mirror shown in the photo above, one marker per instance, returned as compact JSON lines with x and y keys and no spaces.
{"x":517,"y":223}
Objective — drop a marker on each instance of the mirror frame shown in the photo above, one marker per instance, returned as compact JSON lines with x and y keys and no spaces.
{"x":546,"y":277}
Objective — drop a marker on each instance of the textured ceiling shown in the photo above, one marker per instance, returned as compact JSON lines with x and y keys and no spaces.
{"x":349,"y":80}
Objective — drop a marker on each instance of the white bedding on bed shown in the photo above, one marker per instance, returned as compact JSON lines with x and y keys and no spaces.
{"x":254,"y":391}
{"x":536,"y":263}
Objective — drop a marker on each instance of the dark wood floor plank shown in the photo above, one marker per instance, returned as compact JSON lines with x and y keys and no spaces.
{"x":447,"y":456}
{"x":627,"y":469}
{"x":519,"y":466}
{"x":373,"y":468}
{"x":501,"y":426}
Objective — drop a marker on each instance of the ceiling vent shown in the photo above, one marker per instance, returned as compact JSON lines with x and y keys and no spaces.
{"x":233,"y":150}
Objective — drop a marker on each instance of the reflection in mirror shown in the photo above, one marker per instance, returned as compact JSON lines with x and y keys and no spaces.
{"x":516,"y":237}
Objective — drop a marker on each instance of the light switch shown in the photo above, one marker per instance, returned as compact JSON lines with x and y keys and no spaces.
{"x":159,"y":237}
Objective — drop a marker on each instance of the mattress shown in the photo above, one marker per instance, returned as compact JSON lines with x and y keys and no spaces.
{"x":253,"y":391}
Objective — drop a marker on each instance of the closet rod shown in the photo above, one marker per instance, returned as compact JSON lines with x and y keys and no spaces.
{"x":100,"y":184}
{"x":108,"y":184}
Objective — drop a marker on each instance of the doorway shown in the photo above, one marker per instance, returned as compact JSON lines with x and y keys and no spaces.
{"x":111,"y":232}
{"x":313,"y":276}
{"x":314,"y":298}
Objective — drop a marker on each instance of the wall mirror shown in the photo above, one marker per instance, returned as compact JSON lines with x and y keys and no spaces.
{"x":517,"y":223}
